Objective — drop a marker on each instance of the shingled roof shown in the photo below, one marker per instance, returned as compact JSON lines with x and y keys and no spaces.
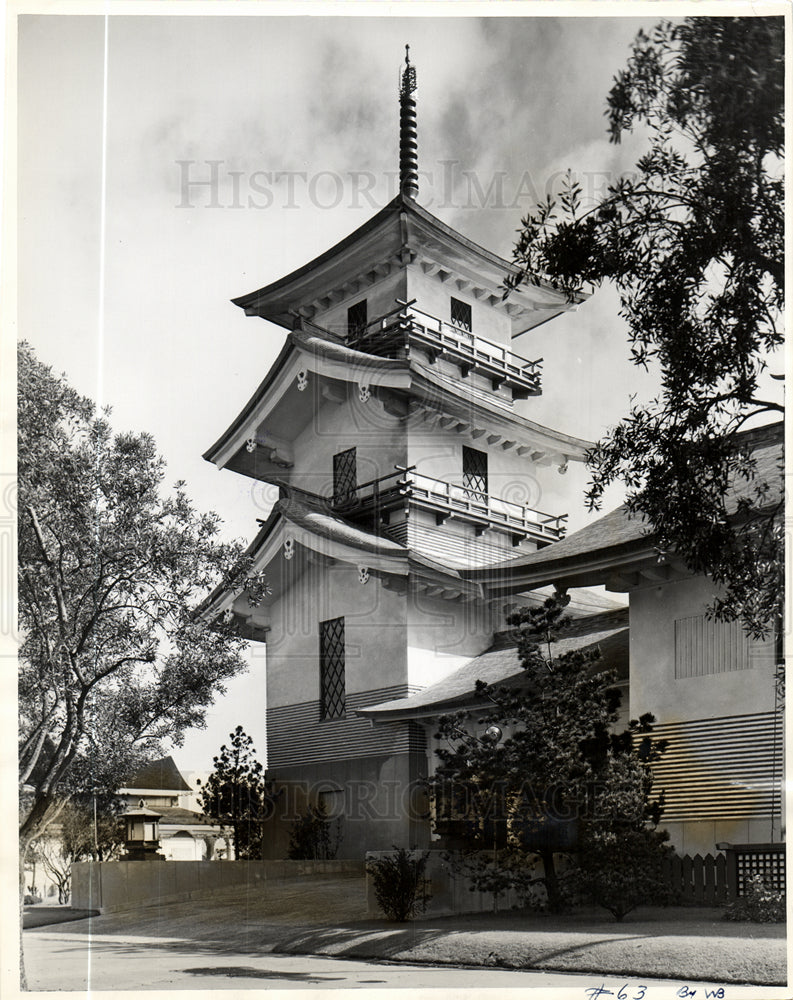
{"x":500,"y":665}
{"x":160,"y":774}
{"x":618,"y":533}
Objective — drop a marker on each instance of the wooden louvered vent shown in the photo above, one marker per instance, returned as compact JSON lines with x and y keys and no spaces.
{"x":704,"y":646}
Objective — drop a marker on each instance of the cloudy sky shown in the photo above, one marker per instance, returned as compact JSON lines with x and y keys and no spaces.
{"x":239,"y":147}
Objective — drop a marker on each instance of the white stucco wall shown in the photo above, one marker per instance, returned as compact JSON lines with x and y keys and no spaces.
{"x":654,"y":688}
{"x":377,"y":436}
{"x":438,"y":453}
{"x":374,"y":626}
{"x":442,"y":635}
{"x":380,"y":299}
{"x":434,"y":296}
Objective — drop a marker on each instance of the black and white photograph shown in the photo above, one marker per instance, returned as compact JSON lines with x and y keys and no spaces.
{"x":393,"y":498}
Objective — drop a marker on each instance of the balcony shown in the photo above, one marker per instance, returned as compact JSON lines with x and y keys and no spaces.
{"x":403,"y":489}
{"x":394,"y":334}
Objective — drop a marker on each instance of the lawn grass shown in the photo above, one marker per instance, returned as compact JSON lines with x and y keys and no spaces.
{"x":320,"y":917}
{"x":691,"y":945}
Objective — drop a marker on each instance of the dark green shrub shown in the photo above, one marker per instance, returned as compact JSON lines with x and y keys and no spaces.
{"x":620,"y":869}
{"x":314,"y":836}
{"x":759,"y":904}
{"x":400,"y":886}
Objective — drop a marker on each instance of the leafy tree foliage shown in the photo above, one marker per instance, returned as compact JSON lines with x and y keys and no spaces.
{"x":238,"y":796}
{"x":85,"y":839}
{"x":693,"y":243}
{"x":114,"y":659}
{"x":559,"y":780}
{"x":50,"y":853}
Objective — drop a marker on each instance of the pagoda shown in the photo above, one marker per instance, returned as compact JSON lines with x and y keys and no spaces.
{"x":396,"y":424}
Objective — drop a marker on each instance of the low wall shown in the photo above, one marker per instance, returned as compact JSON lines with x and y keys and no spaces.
{"x":450,"y":895}
{"x":109,"y":886}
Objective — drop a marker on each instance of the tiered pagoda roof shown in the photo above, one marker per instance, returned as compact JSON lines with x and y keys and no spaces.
{"x":403,"y":232}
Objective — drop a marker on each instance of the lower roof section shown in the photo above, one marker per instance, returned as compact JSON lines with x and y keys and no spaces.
{"x":500,"y":665}
{"x":619,"y":542}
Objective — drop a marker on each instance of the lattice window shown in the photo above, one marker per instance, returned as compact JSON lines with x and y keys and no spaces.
{"x":357,"y":319}
{"x":461,"y":315}
{"x":345,"y":476}
{"x":331,"y":669}
{"x":768,"y":864}
{"x":475,"y":473}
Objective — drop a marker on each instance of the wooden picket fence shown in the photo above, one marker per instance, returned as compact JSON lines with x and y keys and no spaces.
{"x":698,"y":881}
{"x":717,"y":879}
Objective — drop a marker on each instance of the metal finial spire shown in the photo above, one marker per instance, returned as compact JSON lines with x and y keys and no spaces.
{"x":408,"y":131}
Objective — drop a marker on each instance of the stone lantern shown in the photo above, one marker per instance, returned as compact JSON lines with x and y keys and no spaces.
{"x":142,"y":839}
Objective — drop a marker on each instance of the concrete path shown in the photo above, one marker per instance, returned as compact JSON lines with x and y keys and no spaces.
{"x":41,"y":916}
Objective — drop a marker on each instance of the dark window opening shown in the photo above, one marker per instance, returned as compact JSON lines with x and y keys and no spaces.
{"x":356,"y":319}
{"x":461,"y":315}
{"x":345,"y":476}
{"x":475,"y":473}
{"x":332,"y":699}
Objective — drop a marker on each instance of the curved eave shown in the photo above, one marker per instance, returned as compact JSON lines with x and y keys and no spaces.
{"x":320,"y":355}
{"x":210,"y":455}
{"x":322,"y":525}
{"x":482,"y":255}
{"x":382,"y":237}
{"x":585,"y":558}
{"x":529,"y":312}
{"x":283,"y":286}
{"x":318,"y":532}
{"x":314,"y":341}
{"x":465,"y":405}
{"x":328,"y":357}
{"x":591,"y":571}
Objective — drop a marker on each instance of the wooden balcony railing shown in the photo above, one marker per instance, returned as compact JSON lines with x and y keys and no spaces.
{"x":448,"y":499}
{"x":406,"y":487}
{"x":393,"y":335}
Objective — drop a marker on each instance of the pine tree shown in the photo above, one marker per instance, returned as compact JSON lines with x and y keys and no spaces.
{"x":559,"y":778}
{"x":237,"y":795}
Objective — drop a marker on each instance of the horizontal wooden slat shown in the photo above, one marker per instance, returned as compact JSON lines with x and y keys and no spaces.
{"x":297,"y":735}
{"x":725,"y":768}
{"x":454,"y":548}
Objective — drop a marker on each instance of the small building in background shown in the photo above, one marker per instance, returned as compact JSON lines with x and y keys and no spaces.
{"x":185,"y":834}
